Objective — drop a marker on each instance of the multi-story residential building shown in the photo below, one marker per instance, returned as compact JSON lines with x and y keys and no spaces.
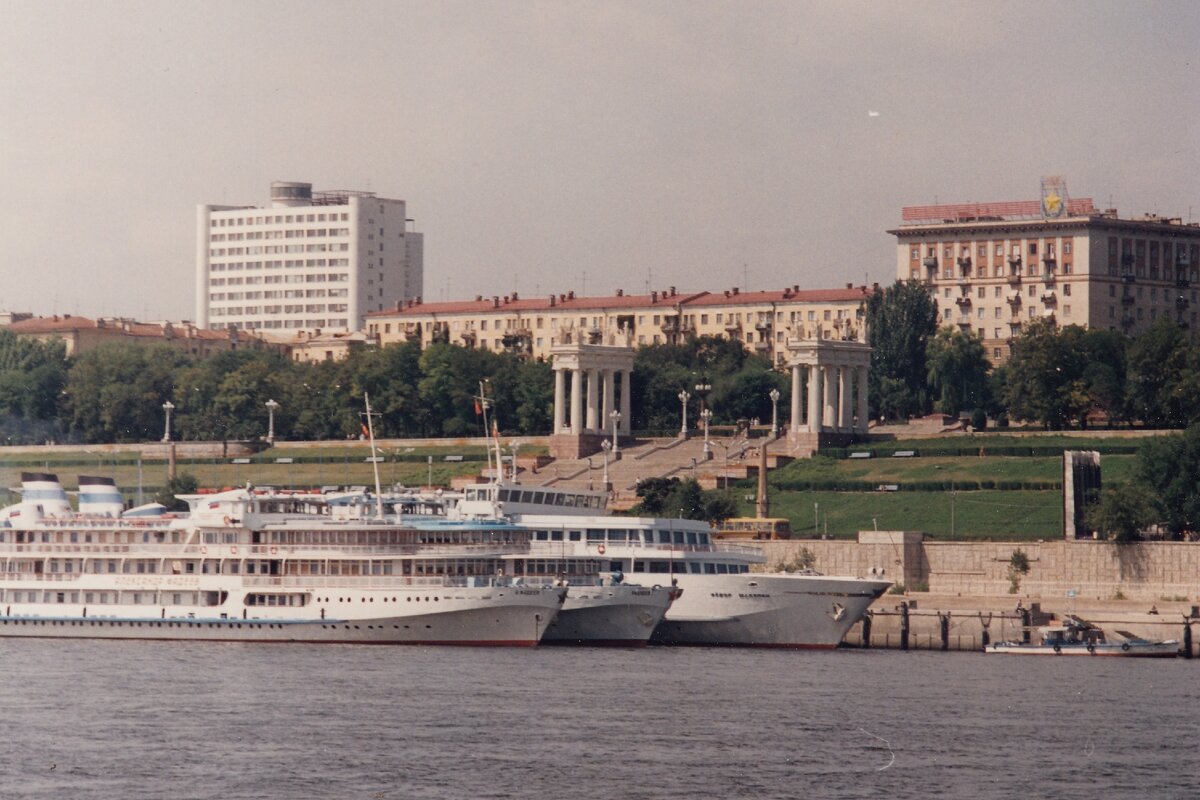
{"x":310,"y":261}
{"x":994,"y":267}
{"x":528,"y":326}
{"x":80,"y":334}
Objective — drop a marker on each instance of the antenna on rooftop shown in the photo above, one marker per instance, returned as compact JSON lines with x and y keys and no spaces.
{"x":745,"y":276}
{"x":583,"y":288}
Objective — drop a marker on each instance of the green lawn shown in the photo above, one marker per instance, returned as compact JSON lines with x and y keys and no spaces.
{"x":941,"y":468}
{"x":992,"y":515}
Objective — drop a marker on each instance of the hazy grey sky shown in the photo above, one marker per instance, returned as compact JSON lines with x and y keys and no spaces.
{"x":539,"y":141}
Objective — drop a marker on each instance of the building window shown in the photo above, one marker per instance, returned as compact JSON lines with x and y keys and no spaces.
{"x":1067,"y":248}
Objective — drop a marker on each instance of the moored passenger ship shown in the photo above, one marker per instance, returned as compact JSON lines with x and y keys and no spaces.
{"x":722,"y":602}
{"x":259,"y":566}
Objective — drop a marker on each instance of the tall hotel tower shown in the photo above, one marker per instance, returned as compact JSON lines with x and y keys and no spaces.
{"x":312,"y":260}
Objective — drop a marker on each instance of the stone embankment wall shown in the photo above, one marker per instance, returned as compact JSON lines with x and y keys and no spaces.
{"x":1149,"y":571}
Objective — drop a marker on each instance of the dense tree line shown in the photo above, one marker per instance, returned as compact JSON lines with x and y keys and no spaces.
{"x":1056,"y":377}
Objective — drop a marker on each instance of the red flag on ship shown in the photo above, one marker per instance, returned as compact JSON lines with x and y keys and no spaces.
{"x":366,"y":431}
{"x":478,"y":408}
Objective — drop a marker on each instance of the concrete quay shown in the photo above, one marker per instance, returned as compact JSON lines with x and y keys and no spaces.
{"x":968,"y":623}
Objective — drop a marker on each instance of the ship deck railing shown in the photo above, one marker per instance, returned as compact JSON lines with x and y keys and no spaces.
{"x":236,"y":550}
{"x":556,"y":548}
{"x":388,"y":581}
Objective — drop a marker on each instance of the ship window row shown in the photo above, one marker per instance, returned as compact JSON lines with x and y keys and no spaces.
{"x":568,"y":566}
{"x":688,"y":567}
{"x":550,"y":498}
{"x":624,"y":536}
{"x":351,"y":537}
{"x":135,"y":598}
{"x":93,"y":537}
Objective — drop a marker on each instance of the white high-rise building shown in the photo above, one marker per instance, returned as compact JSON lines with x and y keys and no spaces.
{"x":311,"y":260}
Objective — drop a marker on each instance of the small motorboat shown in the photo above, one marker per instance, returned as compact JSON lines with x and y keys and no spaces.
{"x":1077,"y":637}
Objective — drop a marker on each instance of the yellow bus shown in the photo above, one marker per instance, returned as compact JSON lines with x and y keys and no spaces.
{"x":754,"y":528}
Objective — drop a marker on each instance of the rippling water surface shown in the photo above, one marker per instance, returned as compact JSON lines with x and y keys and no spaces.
{"x":200,"y":720}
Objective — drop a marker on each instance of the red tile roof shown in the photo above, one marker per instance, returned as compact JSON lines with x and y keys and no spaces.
{"x":568,"y":303}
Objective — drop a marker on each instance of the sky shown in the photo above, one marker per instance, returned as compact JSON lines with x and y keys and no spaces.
{"x":590,"y":146}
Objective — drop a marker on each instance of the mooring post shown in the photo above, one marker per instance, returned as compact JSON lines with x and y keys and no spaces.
{"x":944,"y":622}
{"x":903,"y":625}
{"x":866,"y":630}
{"x":1187,"y":638}
{"x":987,"y":637}
{"x":1026,"y":624}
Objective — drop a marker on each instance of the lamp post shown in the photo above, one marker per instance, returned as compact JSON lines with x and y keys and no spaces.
{"x":774,"y":395}
{"x":607,"y":447}
{"x":168,"y":407}
{"x":705,"y":416}
{"x":703,"y":387}
{"x":616,"y":420}
{"x":271,"y":406}
{"x":683,"y":398}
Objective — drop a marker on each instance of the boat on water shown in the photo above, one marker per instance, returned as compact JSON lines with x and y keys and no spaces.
{"x":247,"y":565}
{"x":1077,"y":637}
{"x":721,"y":601}
{"x":601,"y":608}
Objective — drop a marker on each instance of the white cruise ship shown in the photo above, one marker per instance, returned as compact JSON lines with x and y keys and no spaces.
{"x":258,"y":566}
{"x":601,"y":609}
{"x":722,"y":601}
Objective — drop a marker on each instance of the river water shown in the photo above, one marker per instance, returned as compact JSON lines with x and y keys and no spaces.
{"x":202,"y":720}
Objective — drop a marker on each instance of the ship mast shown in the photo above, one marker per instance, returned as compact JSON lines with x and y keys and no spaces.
{"x":374,"y":460}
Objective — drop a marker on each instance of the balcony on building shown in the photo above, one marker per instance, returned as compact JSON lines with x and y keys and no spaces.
{"x":964,"y":266}
{"x":1050,"y":261}
{"x":1127,"y":321}
{"x":1050,"y":318}
{"x":964,"y":301}
{"x":1014,"y":300}
{"x":1014,"y":278}
{"x":1127,"y":298}
{"x":1128,"y":276}
{"x":1182,"y":282}
{"x":1181,"y":302}
{"x":1049,"y":298}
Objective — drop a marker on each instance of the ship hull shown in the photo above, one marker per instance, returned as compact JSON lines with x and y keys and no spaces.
{"x":766,"y":610}
{"x":471,"y":617}
{"x":617,"y":616}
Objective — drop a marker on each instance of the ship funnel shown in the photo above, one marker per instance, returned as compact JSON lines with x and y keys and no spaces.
{"x":41,"y":496}
{"x":100,"y":497}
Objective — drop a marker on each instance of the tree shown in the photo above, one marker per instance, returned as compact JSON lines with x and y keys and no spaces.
{"x":1104,"y":373}
{"x":1123,"y":512}
{"x":958,"y":370}
{"x":671,"y":497}
{"x":1044,"y":375}
{"x":183,"y":483}
{"x":1156,"y":361}
{"x":115,"y":393}
{"x":1169,"y":467}
{"x":900,"y":321}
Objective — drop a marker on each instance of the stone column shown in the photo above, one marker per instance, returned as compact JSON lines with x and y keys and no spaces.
{"x":830,"y":379}
{"x":576,"y":402}
{"x":814,"y":399}
{"x":626,"y":412}
{"x":846,"y":417}
{"x":862,"y":400}
{"x":593,"y":386}
{"x":794,"y":424}
{"x":609,"y":400}
{"x":560,"y":400}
